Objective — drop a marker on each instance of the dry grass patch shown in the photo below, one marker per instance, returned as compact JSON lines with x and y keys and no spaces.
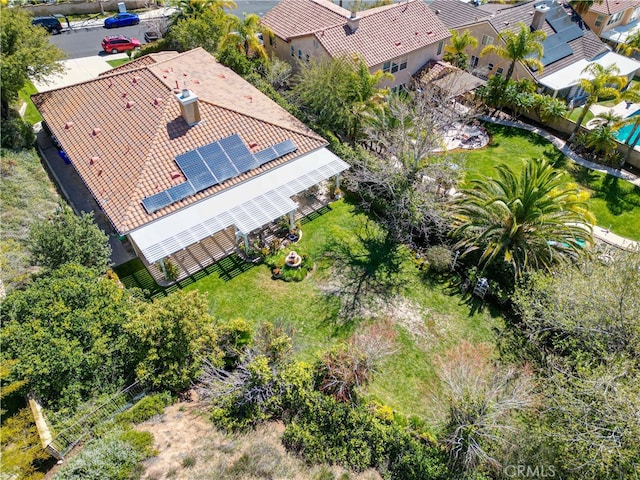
{"x":189,"y":447}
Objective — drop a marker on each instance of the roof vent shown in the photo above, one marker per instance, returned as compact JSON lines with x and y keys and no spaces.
{"x":398,"y":44}
{"x":130,"y":104}
{"x":68,"y":125}
{"x":189,"y":106}
{"x":437,"y":12}
{"x":539,"y":15}
{"x":93,"y":160}
{"x":136,"y":80}
{"x":157,"y":101}
{"x":353,"y":22}
{"x":96,"y":131}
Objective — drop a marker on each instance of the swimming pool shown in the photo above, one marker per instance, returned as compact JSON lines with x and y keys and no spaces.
{"x":623,"y":133}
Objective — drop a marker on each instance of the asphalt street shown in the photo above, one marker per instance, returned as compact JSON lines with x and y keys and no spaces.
{"x":84,"y":41}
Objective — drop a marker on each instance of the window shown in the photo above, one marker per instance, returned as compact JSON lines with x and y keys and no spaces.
{"x":615,"y":18}
{"x":599,"y":20}
{"x":300,"y":54}
{"x":499,"y":71}
{"x":272,"y":40}
{"x":490,"y":66}
{"x":307,"y":58}
{"x":440,"y":45}
{"x":474,"y":61}
{"x":403,"y":63}
{"x":386,"y":67}
{"x":293,"y":51}
{"x":487,"y":40}
{"x":635,"y":14}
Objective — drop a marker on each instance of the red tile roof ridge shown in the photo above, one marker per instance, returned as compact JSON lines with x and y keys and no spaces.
{"x":333,"y":7}
{"x":307,"y":132}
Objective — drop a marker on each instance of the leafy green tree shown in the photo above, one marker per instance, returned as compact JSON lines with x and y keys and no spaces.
{"x":528,"y":219}
{"x":336,"y":92}
{"x":548,"y":108}
{"x":21,"y":447}
{"x":67,"y":332}
{"x":26,"y":52}
{"x":524,"y":46}
{"x":68,"y":238}
{"x":203,"y":30}
{"x":243,"y":35}
{"x":172,"y":336}
{"x":604,"y":82}
{"x":455,"y":50}
{"x":602,"y":141}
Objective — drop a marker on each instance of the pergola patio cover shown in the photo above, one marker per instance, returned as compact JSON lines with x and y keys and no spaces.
{"x":248,"y":206}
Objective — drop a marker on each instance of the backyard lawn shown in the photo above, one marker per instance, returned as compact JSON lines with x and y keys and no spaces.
{"x":614,"y":202}
{"x":427,"y":316}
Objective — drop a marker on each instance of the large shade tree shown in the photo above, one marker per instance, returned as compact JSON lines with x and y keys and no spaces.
{"x":244,"y":35}
{"x":528,"y":219}
{"x":523,"y":45}
{"x":602,"y":82}
{"x":26,"y":53}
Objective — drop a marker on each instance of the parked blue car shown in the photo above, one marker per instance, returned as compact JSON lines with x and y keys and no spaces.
{"x":122,"y":20}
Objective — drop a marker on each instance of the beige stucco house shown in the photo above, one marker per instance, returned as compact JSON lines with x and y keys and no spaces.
{"x":613,"y":20}
{"x":399,"y":38}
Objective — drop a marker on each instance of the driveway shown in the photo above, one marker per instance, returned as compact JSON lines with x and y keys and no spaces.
{"x":78,"y":70}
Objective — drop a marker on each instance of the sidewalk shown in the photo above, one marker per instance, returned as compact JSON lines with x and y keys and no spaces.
{"x":598,"y":232}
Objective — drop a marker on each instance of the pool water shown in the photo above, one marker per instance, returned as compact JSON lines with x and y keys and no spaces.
{"x":623,"y":133}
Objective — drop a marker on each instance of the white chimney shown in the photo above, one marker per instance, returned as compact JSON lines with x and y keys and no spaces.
{"x":189,"y":106}
{"x":353,"y":21}
{"x":539,"y":14}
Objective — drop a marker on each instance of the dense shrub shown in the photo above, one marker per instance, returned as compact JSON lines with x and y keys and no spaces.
{"x":113,"y":457}
{"x":439,"y":258}
{"x":324,"y":430}
{"x":16,"y":133}
{"x":145,"y":409}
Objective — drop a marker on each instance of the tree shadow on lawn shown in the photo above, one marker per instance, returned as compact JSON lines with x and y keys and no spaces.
{"x":558,"y":160}
{"x":618,"y":200}
{"x":367,"y":268}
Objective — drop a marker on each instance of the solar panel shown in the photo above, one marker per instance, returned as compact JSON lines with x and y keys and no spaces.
{"x":156,"y":202}
{"x":202,"y":181}
{"x":187,"y":159}
{"x":211,"y":153}
{"x":552,"y":41}
{"x":222,"y":168}
{"x":554,"y":54}
{"x":266,"y":155}
{"x":233,"y":146}
{"x":195,"y":169}
{"x":285,"y":147}
{"x":245,"y":162}
{"x":178,"y":192}
{"x":571,"y":33}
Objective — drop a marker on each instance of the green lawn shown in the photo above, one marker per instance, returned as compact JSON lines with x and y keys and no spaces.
{"x":575,"y":114}
{"x":615,"y":202}
{"x":118,"y":61}
{"x":31,"y":114}
{"x":439,"y":317}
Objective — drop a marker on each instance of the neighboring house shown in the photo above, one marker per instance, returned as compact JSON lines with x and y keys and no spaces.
{"x":613,"y":20}
{"x":569,"y":47}
{"x":399,"y":38}
{"x":183,"y":156}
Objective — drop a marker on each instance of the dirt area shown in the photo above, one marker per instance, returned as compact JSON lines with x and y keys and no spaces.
{"x":189,"y":447}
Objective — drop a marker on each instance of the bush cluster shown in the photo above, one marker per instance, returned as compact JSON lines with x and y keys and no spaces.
{"x":145,"y":409}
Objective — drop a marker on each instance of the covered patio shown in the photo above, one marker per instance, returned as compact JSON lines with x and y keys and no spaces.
{"x":203,"y":233}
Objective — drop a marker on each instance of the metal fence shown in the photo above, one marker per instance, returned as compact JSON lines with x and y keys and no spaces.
{"x":64,"y":441}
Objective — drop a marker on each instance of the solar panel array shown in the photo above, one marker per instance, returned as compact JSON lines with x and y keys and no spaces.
{"x":556,"y":46}
{"x":212,"y":164}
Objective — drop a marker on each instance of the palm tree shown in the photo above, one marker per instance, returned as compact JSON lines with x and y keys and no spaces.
{"x":602,"y":141}
{"x":196,"y":8}
{"x":528,"y":219}
{"x":244,"y":35}
{"x":631,"y":46}
{"x":606,"y":83}
{"x":456,"y":49}
{"x":523,"y":46}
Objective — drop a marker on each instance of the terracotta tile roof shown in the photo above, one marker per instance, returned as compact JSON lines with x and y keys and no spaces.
{"x":386,"y":33}
{"x":455,"y":14}
{"x":123,"y":131}
{"x":610,"y":7}
{"x":292,"y":18}
{"x":383,"y":33}
{"x":141,"y":62}
{"x":586,"y":47}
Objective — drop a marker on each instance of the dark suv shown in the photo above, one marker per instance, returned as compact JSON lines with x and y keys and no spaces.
{"x":52,"y":24}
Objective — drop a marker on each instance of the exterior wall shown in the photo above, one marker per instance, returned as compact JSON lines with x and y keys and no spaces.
{"x":415,"y":61}
{"x":488,"y":65}
{"x":590,"y":18}
{"x":77,"y":8}
{"x":305,"y":45}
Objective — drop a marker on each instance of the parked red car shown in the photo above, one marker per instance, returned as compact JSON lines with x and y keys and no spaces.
{"x":119,"y":43}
